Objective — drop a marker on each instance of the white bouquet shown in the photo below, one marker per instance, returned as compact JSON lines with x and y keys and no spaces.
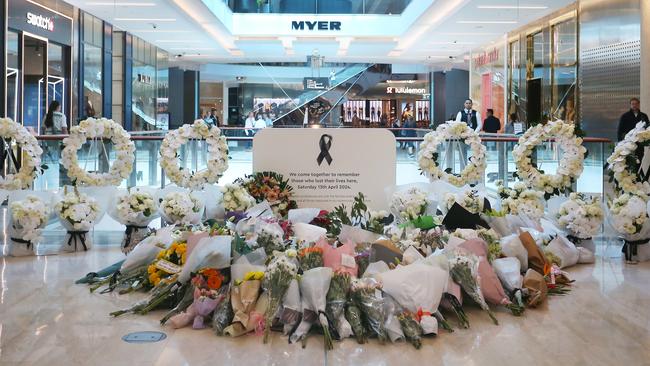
{"x":181,"y":208}
{"x":78,"y":213}
{"x":629,"y":213}
{"x":135,"y":210}
{"x":582,"y":216}
{"x":314,"y":285}
{"x":409,"y":204}
{"x":521,"y":200}
{"x":28,"y":217}
{"x":236,"y":198}
{"x":469,"y":199}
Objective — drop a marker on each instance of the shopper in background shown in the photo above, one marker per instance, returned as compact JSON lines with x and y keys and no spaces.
{"x":409,"y":131}
{"x":54,"y":123}
{"x":470,"y":116}
{"x":267,"y":120}
{"x":630,"y":118}
{"x":515,"y":126}
{"x":212,"y":118}
{"x":491,"y":123}
{"x":259,"y":122}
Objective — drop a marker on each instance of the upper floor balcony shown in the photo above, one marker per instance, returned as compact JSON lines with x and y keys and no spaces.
{"x":386,"y":7}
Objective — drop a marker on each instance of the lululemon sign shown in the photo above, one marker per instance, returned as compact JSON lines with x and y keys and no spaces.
{"x":328,"y":167}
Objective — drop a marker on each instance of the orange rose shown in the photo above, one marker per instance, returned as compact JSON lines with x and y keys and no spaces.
{"x":214,"y":282}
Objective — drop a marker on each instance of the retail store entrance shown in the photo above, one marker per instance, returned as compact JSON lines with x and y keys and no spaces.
{"x":38,"y":62}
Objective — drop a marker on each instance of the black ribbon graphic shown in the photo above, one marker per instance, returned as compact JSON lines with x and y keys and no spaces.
{"x":325,"y":144}
{"x":129,"y":232}
{"x":22,"y":241}
{"x":630,"y":248}
{"x":77,"y":236}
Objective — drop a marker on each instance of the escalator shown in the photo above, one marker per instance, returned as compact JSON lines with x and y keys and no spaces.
{"x":350,"y":81}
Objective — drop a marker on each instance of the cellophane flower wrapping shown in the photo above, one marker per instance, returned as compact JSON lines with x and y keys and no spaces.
{"x":303,"y":215}
{"x":499,"y":224}
{"x":135,"y":209}
{"x":236,"y":198}
{"x":306,"y":233}
{"x":78,"y":213}
{"x":251,"y":262}
{"x":337,"y":297}
{"x":418,"y":288}
{"x":408,"y":203}
{"x":223,"y":313}
{"x":463,"y":268}
{"x":28,"y":212}
{"x":392,"y":323}
{"x":291,"y":307}
{"x":366,"y":294}
{"x":314,"y":284}
{"x":210,"y":252}
{"x":266,"y":234}
{"x":277,"y":279}
{"x":146,"y":251}
{"x":181,"y":208}
{"x":580,"y":215}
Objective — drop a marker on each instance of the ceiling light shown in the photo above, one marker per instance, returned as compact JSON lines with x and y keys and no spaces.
{"x":120,"y":4}
{"x":529,"y":7}
{"x":145,"y":19}
{"x":159,"y":31}
{"x":190,"y":48}
{"x":487,"y":22}
{"x":178,"y":41}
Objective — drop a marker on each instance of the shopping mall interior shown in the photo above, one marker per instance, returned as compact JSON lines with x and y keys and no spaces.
{"x":199,"y":164}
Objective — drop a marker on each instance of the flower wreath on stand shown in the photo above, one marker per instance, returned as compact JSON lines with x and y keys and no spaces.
{"x":31,"y":162}
{"x":428,"y":154}
{"x":629,"y":214}
{"x":217,"y":158}
{"x":571,"y":163}
{"x":94,"y":129}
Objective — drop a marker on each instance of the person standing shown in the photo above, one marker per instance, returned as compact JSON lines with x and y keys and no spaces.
{"x":54,"y":123}
{"x":260,"y":123}
{"x":630,"y":118}
{"x":212,"y":118}
{"x":491,"y":123}
{"x":268,"y":120}
{"x":470,"y":116}
{"x":514,"y":126}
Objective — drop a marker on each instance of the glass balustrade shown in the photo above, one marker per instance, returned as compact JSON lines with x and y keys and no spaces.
{"x":192,"y":156}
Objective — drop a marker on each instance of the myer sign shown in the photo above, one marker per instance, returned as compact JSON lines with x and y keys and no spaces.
{"x":40,"y":21}
{"x":320,"y":25}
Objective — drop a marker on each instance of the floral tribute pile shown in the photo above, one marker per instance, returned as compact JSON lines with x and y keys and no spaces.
{"x":395,"y":275}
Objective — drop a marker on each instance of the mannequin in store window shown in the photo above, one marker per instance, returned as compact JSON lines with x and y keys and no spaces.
{"x":55,"y":121}
{"x":470,"y":116}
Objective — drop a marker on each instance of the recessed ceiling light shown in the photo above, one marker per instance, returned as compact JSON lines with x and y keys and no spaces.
{"x":487,"y":22}
{"x":145,"y":19}
{"x":529,"y":7}
{"x":159,"y":31}
{"x":119,"y":4}
{"x":178,"y":41}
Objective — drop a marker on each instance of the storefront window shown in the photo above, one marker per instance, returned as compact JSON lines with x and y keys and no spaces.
{"x":162,"y":93}
{"x":118,"y":77}
{"x":13,"y":75}
{"x":564,"y":70}
{"x":143,"y":101}
{"x":92,"y":66}
{"x":515,"y":77}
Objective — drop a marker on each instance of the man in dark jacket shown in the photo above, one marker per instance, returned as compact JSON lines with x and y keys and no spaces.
{"x":630,"y":118}
{"x":491,"y":123}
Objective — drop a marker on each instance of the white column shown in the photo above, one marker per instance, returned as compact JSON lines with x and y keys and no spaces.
{"x":645,"y":55}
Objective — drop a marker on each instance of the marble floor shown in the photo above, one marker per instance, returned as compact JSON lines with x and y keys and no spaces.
{"x":46,"y":319}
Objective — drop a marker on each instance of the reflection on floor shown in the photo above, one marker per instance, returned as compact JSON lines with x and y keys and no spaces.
{"x":45,"y":319}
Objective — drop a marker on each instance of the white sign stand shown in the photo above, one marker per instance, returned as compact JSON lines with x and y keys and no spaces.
{"x":328,"y":167}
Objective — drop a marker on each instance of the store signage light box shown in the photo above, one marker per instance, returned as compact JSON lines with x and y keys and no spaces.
{"x":316,"y":83}
{"x":40,"y":21}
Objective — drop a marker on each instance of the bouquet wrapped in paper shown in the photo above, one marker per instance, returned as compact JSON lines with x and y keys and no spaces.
{"x":563,"y":250}
{"x":418,"y":288}
{"x":408,"y":203}
{"x":498,"y":222}
{"x":629,"y":217}
{"x":582,"y":217}
{"x":314,"y":285}
{"x":135,"y":209}
{"x":78,"y":214}
{"x":243,"y":297}
{"x":223,"y":313}
{"x":291,"y":313}
{"x":310,"y":258}
{"x":207,"y":294}
{"x":28,"y":216}
{"x":511,"y":246}
{"x":536,"y":258}
{"x":340,"y":258}
{"x":536,"y":286}
{"x":279,"y":274}
{"x":181,"y":208}
{"x":508,"y":270}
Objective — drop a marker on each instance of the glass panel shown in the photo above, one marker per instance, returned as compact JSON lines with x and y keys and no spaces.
{"x":118,"y":43}
{"x":98,"y":32}
{"x":34,"y":83}
{"x":162,"y":94}
{"x":144,"y":96}
{"x":564,"y":70}
{"x":13,"y":75}
{"x":55,"y":60}
{"x":92,"y":82}
{"x":88,"y":27}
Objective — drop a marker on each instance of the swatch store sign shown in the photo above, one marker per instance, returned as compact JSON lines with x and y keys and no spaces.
{"x":29,"y":17}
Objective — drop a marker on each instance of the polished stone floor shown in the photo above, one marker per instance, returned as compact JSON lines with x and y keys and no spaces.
{"x":47,"y":320}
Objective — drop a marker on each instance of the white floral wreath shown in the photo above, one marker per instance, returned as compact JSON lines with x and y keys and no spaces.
{"x":31,"y":162}
{"x":625,"y":177}
{"x":100,"y":128}
{"x":217,"y":155}
{"x":428,"y":154}
{"x":571,"y":164}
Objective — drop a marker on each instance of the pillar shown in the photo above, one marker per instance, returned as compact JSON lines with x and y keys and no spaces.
{"x":645,"y":55}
